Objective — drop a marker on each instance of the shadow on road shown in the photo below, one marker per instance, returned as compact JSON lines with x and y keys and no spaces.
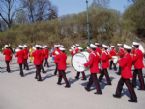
{"x":51,"y":65}
{"x":29,"y":73}
{"x":48,"y":70}
{"x":32,"y":68}
{"x":102,"y":85}
{"x":68,"y":72}
{"x":71,"y":80}
{"x":126,"y":93}
{"x":48,"y":76}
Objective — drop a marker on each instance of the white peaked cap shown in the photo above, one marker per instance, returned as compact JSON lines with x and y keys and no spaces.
{"x":17,"y":49}
{"x":25,"y":46}
{"x":92,"y":46}
{"x":62,"y":48}
{"x":73,"y":47}
{"x":40,"y":46}
{"x":119,"y":44}
{"x":77,"y":45}
{"x":34,"y":48}
{"x":37,"y":46}
{"x":127,"y":47}
{"x":80,"y":48}
{"x":20,"y":46}
{"x":135,"y":43}
{"x":112,"y":46}
{"x":104,"y":46}
{"x":56,"y":46}
{"x":88,"y":47}
{"x":6,"y":46}
{"x":97,"y":44}
{"x":45,"y":46}
{"x":59,"y":45}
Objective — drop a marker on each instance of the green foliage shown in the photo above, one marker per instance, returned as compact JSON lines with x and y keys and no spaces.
{"x":134,"y":17}
{"x":107,"y":26}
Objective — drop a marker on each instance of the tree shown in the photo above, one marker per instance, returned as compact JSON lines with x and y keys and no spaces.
{"x":46,"y":11}
{"x":21,"y":17}
{"x":7,"y":11}
{"x":29,"y":6}
{"x":52,"y":13}
{"x":2,"y":25}
{"x":39,"y":10}
{"x":134,"y":17}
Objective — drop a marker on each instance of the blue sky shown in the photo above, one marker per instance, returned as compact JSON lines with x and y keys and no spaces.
{"x":76,"y":6}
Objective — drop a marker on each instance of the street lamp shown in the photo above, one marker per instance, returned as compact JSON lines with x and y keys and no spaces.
{"x":88,"y":26}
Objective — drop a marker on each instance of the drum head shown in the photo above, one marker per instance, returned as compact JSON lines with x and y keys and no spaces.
{"x":115,"y":59}
{"x":78,"y":61}
{"x":141,"y":48}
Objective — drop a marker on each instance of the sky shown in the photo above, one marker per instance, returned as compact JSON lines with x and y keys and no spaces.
{"x":75,"y":6}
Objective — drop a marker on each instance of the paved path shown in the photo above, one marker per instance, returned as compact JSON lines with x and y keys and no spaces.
{"x":27,"y":93}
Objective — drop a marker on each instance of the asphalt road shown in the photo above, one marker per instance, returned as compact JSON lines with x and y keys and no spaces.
{"x":27,"y":93}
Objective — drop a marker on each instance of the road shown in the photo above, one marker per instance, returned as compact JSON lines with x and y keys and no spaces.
{"x":27,"y":93}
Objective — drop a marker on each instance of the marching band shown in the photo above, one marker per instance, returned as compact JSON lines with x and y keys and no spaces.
{"x":99,"y":60}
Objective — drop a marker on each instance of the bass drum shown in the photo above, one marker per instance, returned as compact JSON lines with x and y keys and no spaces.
{"x":115,"y":59}
{"x":78,"y":61}
{"x":141,"y":48}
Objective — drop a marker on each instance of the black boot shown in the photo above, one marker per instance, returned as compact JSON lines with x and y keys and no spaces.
{"x":87,"y":89}
{"x":116,"y":96}
{"x":67,"y":86}
{"x":131,"y":100}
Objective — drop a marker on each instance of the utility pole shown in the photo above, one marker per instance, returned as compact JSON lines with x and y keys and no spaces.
{"x":88,"y":25}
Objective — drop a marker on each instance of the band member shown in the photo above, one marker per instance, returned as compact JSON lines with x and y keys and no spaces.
{"x":94,"y":70}
{"x":120,"y":54}
{"x":31,"y":49}
{"x":72,"y":50}
{"x":55,"y":53}
{"x":88,"y":49}
{"x":78,"y":73}
{"x":98,"y":48}
{"x":20,"y":59}
{"x":8,"y":57}
{"x":112,"y":53}
{"x":42,"y":58}
{"x":126,"y":64}
{"x":61,"y":65}
{"x":138,"y":65}
{"x":75,"y":49}
{"x":10,"y":47}
{"x":105,"y":64}
{"x":37,"y":54}
{"x":46,"y":52}
{"x":26,"y":52}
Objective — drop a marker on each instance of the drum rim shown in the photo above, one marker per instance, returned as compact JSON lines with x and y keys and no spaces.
{"x":72,"y":62}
